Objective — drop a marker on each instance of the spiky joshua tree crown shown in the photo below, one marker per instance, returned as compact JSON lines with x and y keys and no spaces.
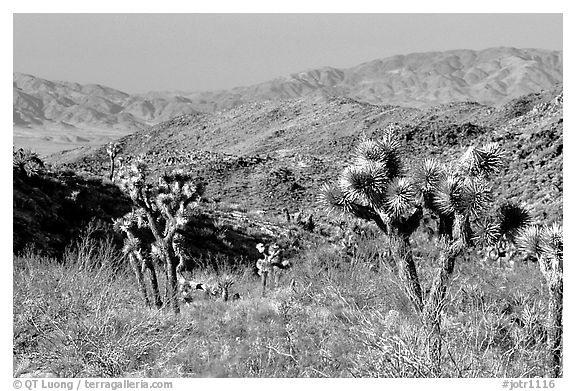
{"x":174,"y":197}
{"x":378,"y":187}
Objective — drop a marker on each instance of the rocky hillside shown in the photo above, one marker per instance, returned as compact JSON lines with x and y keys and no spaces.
{"x":272,"y":155}
{"x":263,"y":157}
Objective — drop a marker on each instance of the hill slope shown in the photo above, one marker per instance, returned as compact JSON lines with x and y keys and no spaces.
{"x":272,"y":155}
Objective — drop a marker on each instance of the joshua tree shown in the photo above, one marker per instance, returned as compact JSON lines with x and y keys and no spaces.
{"x":113,"y":149}
{"x":268,"y":265}
{"x":129,"y":224}
{"x":26,"y":162}
{"x":164,"y":209}
{"x":546,"y":245}
{"x":378,"y":188}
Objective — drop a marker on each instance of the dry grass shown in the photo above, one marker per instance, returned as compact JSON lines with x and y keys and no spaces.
{"x":344,"y":317}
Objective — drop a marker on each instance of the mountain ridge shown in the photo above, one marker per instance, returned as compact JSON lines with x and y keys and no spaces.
{"x":62,"y":115}
{"x":272,"y":155}
{"x":394,"y":78}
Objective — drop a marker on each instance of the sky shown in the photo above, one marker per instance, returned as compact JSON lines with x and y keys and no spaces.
{"x":199,"y":52}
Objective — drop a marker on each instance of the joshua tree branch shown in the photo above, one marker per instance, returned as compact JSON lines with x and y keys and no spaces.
{"x":369,"y":214}
{"x":153,"y":226}
{"x":188,"y":201}
{"x":445,"y":224}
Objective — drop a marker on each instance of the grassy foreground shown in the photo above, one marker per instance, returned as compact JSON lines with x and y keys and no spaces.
{"x":343,"y":317}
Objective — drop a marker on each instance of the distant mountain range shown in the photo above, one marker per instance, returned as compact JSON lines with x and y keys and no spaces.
{"x":492,"y":77}
{"x":42,"y":102}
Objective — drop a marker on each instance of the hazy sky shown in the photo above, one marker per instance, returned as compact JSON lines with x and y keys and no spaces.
{"x":194,"y":52}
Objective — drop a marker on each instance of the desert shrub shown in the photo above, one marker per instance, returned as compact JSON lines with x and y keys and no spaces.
{"x":94,"y":248}
{"x":68,"y":316}
{"x":341,"y":318}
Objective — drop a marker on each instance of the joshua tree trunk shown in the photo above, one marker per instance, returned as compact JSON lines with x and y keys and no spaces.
{"x":139,"y":277}
{"x":431,"y":309}
{"x":169,"y":256}
{"x":153,"y":283}
{"x":264,"y":279}
{"x":463,"y":230}
{"x":431,"y":320}
{"x":445,"y":224}
{"x":432,"y":312}
{"x":554,"y":332}
{"x":171,"y":288}
{"x":147,"y":263}
{"x":166,"y":285}
{"x":407,"y":272}
{"x":112,"y":167}
{"x":551,"y":266}
{"x":271,"y":278}
{"x":172,"y":282}
{"x":547,"y":245}
{"x":113,"y":149}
